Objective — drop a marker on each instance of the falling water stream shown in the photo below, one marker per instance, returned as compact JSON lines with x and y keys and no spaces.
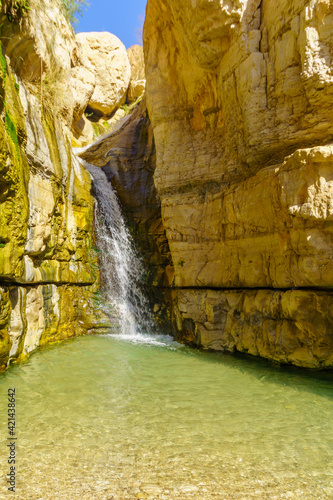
{"x":121,"y":268}
{"x":132,"y":415}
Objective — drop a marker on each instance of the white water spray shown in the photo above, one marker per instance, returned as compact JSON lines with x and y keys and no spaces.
{"x":121,"y":269}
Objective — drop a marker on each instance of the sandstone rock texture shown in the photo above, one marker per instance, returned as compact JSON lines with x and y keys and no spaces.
{"x":136,"y":90}
{"x":137,"y":62}
{"x":105,"y":79}
{"x":47,"y":260}
{"x":108,"y":58}
{"x":240,"y":96}
{"x":83,"y":80}
{"x":102,"y":84}
{"x":290,"y":327}
{"x":138,"y":78}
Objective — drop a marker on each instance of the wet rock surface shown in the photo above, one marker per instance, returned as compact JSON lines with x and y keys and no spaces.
{"x":48,"y":265}
{"x":128,"y":158}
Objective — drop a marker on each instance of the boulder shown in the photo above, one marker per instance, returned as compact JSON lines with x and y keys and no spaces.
{"x":137,"y":62}
{"x":138,"y":80}
{"x":83,"y":81}
{"x":136,"y":90}
{"x":83,"y":132}
{"x":108,"y":57}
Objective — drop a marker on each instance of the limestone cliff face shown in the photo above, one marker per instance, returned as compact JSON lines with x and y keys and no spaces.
{"x":47,"y":261}
{"x":240,"y":98}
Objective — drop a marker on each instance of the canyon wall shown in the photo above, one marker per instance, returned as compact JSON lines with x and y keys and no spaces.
{"x":226,"y":177}
{"x":240,"y":96}
{"x":48,"y":265}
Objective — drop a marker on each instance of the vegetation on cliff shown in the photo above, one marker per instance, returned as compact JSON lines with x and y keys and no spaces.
{"x":47,"y":260}
{"x":16,"y":9}
{"x":73,"y":9}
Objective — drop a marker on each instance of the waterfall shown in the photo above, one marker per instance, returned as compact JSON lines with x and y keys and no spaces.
{"x":120,"y":266}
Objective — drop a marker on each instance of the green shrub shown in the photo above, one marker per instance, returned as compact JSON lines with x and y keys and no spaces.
{"x":14,"y":9}
{"x":73,"y":9}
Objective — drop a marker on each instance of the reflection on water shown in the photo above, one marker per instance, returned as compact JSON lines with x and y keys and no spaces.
{"x":109,"y":417}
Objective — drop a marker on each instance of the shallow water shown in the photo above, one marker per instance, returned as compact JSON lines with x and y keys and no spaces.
{"x":109,"y":417}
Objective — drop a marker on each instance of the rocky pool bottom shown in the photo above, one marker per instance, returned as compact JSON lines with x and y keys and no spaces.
{"x":114,"y":417}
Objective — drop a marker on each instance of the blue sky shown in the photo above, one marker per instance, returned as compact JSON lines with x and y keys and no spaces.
{"x":123,"y":18}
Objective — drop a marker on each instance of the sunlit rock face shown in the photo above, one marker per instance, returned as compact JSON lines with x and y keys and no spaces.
{"x":240,"y":98}
{"x":47,"y":260}
{"x":138,"y":78}
{"x":208,"y":27}
{"x":136,"y":59}
{"x":108,"y":58}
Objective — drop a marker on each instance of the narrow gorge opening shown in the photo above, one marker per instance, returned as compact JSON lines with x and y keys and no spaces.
{"x":122,"y":271}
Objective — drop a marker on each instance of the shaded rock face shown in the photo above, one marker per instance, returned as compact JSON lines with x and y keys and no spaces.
{"x":239,"y":94}
{"x":47,"y":260}
{"x":128,"y":158}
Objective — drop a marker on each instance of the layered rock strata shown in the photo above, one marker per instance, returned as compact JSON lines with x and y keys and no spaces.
{"x":239,"y":94}
{"x":48,"y":266}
